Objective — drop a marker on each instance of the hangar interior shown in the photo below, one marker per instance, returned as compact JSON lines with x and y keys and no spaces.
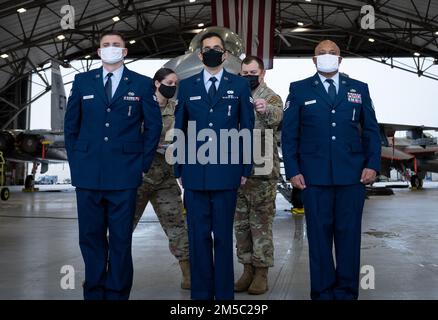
{"x":38,"y":231}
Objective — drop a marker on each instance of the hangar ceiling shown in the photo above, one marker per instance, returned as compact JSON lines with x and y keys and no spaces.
{"x":31,"y":34}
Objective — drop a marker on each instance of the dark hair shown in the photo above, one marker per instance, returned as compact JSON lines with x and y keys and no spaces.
{"x":161,"y":74}
{"x":250,"y":59}
{"x":209,"y":35}
{"x":112,"y":33}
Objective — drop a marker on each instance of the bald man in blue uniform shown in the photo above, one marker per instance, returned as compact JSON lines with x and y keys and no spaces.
{"x":331,"y":150}
{"x":213,"y":100}
{"x":112,"y":128}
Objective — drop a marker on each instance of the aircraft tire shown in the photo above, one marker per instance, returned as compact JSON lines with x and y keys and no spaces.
{"x":4,"y":194}
{"x":29,"y":183}
{"x":416,"y":182}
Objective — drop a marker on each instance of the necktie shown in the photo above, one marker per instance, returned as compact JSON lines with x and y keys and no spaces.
{"x":212,"y":90}
{"x":109,"y":87}
{"x":331,"y":89}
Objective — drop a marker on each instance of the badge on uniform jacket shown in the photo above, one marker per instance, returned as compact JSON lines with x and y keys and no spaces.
{"x":230,"y":97}
{"x":91,"y":96}
{"x":128,"y":98}
{"x":354,"y":97}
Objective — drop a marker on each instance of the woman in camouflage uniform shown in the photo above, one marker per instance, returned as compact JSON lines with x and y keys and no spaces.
{"x":159,"y":184}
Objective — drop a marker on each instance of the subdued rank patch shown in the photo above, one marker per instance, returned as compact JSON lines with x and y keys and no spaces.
{"x":286,"y":106}
{"x":274,"y":100}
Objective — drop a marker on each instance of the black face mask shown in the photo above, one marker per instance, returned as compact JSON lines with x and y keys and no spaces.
{"x":167,"y":91}
{"x":212,"y":58}
{"x":253,"y":81}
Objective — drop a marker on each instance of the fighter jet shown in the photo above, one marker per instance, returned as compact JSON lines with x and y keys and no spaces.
{"x":40,"y":147}
{"x":412,"y":156}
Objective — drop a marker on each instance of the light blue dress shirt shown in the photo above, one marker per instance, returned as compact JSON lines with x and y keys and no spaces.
{"x":326,"y":84}
{"x":115,"y":79}
{"x":207,"y":77}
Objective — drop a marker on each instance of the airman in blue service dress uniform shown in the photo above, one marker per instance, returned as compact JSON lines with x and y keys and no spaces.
{"x":331,"y":150}
{"x":107,"y":152}
{"x":213,"y":99}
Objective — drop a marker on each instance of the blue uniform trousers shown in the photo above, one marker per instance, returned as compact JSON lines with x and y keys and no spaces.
{"x":105,"y":237}
{"x":210,"y":217}
{"x":334,"y":215}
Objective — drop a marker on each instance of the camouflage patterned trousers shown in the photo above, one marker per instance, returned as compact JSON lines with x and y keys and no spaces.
{"x":255,"y":212}
{"x":168,"y":207}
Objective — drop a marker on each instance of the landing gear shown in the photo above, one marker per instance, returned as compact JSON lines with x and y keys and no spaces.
{"x":297,"y":203}
{"x":416,"y":182}
{"x":29,"y":183}
{"x":4,"y":194}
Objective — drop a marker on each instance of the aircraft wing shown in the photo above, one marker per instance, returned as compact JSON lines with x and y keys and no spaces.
{"x":33,"y":146}
{"x":417,"y":150}
{"x":404,"y":127}
{"x":395,"y":154}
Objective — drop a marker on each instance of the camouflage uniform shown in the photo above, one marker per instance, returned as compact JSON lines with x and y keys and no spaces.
{"x":255,"y":208}
{"x":162,"y":190}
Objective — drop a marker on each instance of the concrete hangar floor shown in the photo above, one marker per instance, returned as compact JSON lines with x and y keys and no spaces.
{"x":38,"y":236}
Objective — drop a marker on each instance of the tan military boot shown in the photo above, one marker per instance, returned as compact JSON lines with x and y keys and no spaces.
{"x":245,"y":279}
{"x":260,"y":283}
{"x":185,"y":269}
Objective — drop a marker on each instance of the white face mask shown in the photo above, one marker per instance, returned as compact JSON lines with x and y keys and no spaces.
{"x":327,"y":63}
{"x":111,"y":55}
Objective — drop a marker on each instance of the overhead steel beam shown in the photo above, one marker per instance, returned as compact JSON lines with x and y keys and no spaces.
{"x":23,"y":107}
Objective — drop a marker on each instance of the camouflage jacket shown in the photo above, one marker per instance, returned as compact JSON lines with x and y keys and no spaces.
{"x":269,"y":120}
{"x":160,"y":175}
